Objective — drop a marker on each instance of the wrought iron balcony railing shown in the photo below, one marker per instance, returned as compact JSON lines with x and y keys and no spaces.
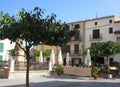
{"x":92,"y":38}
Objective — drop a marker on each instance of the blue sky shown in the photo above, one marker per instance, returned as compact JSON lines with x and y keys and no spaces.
{"x":66,"y":10}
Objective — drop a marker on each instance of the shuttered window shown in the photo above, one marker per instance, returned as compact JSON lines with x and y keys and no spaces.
{"x":0,"y":58}
{"x":1,"y":47}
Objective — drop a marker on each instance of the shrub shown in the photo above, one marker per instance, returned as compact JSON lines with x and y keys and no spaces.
{"x":59,"y":68}
{"x":95,"y":70}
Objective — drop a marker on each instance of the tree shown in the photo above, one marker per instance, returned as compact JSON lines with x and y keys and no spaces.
{"x":110,"y":48}
{"x":32,"y":28}
{"x":36,"y":53}
{"x":105,"y":49}
{"x":11,"y":52}
{"x":46,"y":53}
{"x":95,"y":51}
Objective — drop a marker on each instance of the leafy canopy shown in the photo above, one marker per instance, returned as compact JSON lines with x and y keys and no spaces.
{"x":33,"y":28}
{"x":105,"y":49}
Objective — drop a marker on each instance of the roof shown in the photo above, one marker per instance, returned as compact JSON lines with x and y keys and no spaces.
{"x":90,"y":19}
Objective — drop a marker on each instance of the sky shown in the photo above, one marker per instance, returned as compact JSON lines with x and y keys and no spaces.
{"x":66,"y":10}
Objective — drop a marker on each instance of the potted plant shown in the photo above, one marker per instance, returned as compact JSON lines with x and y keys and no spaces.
{"x":59,"y":70}
{"x":95,"y":71}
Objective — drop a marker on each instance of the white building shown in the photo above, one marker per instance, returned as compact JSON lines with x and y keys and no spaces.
{"x":5,"y":45}
{"x":102,"y":29}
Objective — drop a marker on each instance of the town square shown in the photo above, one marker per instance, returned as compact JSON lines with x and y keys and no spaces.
{"x":59,"y":43}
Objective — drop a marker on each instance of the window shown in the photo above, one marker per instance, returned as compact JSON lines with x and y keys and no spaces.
{"x":111,"y":30}
{"x":76,"y":48}
{"x":96,"y":34}
{"x":0,"y":58}
{"x":118,"y":39}
{"x":1,"y":47}
{"x":76,"y":37}
{"x":110,"y":21}
{"x":77,"y":26}
{"x":65,"y":49}
{"x":96,"y":23}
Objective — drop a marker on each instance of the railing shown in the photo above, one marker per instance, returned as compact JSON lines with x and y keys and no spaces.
{"x":73,"y":52}
{"x":98,"y":38}
{"x":21,"y":66}
{"x":78,"y":39}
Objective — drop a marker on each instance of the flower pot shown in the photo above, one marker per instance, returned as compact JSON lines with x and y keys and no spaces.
{"x":59,"y":73}
{"x":95,"y":77}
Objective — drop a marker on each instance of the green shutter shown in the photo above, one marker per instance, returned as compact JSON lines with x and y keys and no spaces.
{"x":1,"y":47}
{"x":1,"y":58}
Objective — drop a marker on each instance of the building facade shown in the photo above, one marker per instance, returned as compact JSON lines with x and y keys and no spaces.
{"x":75,"y":46}
{"x":90,"y":32}
{"x":5,"y":45}
{"x":100,"y":29}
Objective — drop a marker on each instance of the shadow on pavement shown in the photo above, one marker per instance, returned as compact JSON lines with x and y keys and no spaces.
{"x":69,"y":84}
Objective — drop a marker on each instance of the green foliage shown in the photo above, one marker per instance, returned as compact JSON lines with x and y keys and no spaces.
{"x":36,"y":53}
{"x":33,"y":28}
{"x":95,"y":50}
{"x":59,"y":68}
{"x":95,"y":70}
{"x":46,"y":53}
{"x":11,"y":52}
{"x":105,"y":49}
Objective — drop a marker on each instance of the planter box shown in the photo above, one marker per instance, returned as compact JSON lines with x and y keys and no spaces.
{"x":78,"y":71}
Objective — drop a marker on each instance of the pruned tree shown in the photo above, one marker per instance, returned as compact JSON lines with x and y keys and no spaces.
{"x":95,"y":51}
{"x":105,"y":49}
{"x":32,"y":28}
{"x":110,"y":48}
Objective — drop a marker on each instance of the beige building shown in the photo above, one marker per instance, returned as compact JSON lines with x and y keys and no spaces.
{"x":90,"y":31}
{"x":75,"y":46}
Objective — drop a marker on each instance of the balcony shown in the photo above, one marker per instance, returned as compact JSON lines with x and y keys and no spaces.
{"x":118,"y":39}
{"x":76,"y":39}
{"x":73,"y":52}
{"x":117,"y":32}
{"x":98,"y":38}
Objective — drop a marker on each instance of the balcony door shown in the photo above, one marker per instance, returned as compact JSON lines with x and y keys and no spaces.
{"x":96,"y":34}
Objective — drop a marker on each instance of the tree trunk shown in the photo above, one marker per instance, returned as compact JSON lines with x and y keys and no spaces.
{"x":94,"y":61}
{"x":108,"y":63}
{"x":27,"y":70}
{"x":83,"y":60}
{"x":27,"y":73}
